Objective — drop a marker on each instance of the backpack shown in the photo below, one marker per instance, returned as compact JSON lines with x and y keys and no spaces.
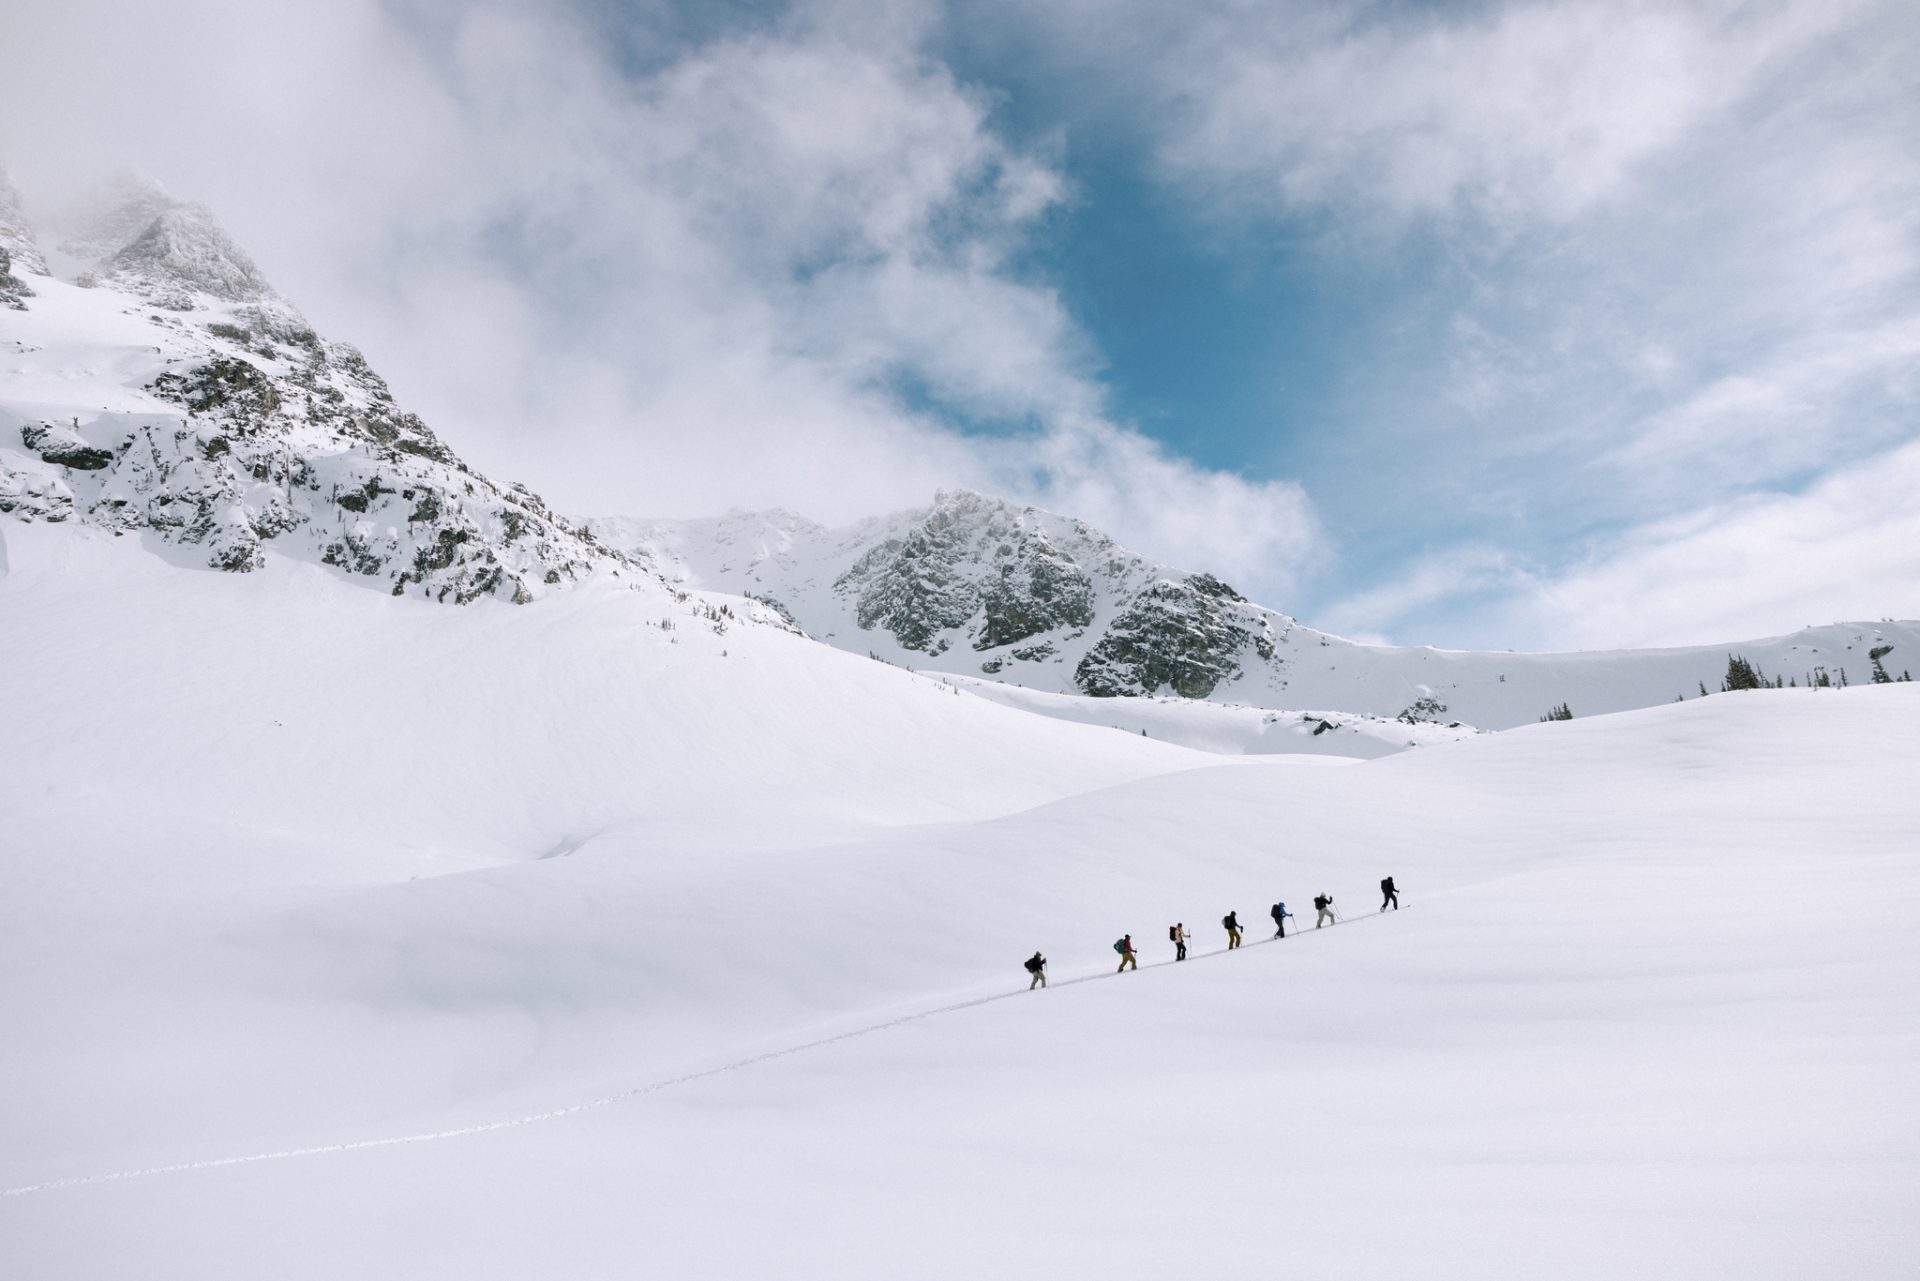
{"x":1173,"y":934}
{"x":1227,"y":920}
{"x":1033,"y":964}
{"x":1120,"y":946}
{"x":1320,"y":904}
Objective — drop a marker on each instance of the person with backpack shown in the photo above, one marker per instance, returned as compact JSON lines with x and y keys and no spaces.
{"x":1279,"y":913}
{"x":1037,"y":966}
{"x":1177,"y":935}
{"x":1323,"y":904}
{"x":1389,"y":895}
{"x":1231,"y":921}
{"x":1124,"y":946}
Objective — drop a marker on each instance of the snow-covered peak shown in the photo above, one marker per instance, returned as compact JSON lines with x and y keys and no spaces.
{"x":112,"y":218}
{"x":174,"y":395}
{"x":183,"y":252}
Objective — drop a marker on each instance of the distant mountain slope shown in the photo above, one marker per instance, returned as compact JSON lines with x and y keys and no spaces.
{"x":167,"y":390}
{"x":980,"y":587}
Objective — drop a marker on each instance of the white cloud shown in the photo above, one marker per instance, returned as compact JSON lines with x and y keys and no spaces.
{"x":773,"y":267}
{"x":1655,"y":261}
{"x":1846,"y":549}
{"x":1541,"y":110}
{"x":1451,"y":574}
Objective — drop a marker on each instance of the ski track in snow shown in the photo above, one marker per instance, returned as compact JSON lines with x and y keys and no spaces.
{"x":622,"y":1096}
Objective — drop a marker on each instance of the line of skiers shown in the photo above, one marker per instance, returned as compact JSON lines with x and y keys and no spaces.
{"x":1178,"y":936}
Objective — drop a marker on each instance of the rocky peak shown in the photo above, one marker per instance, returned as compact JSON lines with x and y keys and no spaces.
{"x":182,"y":252}
{"x":981,"y":585}
{"x":112,"y":218}
{"x":239,"y":428}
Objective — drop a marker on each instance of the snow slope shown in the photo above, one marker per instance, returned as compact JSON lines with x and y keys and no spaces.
{"x":976,"y":586}
{"x":291,"y":865}
{"x":1223,"y":728}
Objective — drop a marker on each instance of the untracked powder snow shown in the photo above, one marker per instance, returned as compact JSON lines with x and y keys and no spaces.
{"x":673,"y":950}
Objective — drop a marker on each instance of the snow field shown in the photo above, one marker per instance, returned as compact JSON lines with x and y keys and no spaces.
{"x":1650,"y":1010}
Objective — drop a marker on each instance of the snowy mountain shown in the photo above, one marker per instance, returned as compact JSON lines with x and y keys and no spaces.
{"x":979,"y":587}
{"x":346,"y":936}
{"x":165,"y":389}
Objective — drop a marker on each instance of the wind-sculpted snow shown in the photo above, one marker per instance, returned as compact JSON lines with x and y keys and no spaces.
{"x":171,"y":393}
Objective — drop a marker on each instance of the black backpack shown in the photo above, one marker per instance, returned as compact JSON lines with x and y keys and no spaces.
{"x":1033,"y":964}
{"x":1227,"y":920}
{"x":1173,"y":934}
{"x":1320,"y":904}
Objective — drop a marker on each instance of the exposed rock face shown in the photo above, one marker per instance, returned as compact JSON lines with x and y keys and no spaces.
{"x":974,"y":564}
{"x":1184,"y":636}
{"x":13,"y":290}
{"x":240,"y":427}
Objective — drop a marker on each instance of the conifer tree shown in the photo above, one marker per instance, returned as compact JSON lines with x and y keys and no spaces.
{"x":1877,"y":653}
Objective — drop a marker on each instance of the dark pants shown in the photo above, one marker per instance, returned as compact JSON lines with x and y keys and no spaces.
{"x":1393,"y":898}
{"x":1180,"y":950}
{"x":1282,"y":931}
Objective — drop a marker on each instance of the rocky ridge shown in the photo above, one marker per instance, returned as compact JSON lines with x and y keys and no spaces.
{"x":975,"y":583}
{"x":978,"y":587}
{"x":169,"y":391}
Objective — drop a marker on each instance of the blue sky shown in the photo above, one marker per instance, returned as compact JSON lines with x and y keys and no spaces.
{"x":1555,"y":324}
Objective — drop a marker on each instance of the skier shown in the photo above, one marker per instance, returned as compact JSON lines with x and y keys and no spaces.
{"x":1389,"y":895}
{"x":1323,"y":904}
{"x":1178,"y":935}
{"x":1037,"y":966}
{"x":1279,"y":913}
{"x":1232,"y":923}
{"x":1124,"y":946}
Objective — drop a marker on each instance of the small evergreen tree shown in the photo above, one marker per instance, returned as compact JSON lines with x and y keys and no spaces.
{"x":1742,"y":675}
{"x":1877,"y":653}
{"x":1560,"y":713}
